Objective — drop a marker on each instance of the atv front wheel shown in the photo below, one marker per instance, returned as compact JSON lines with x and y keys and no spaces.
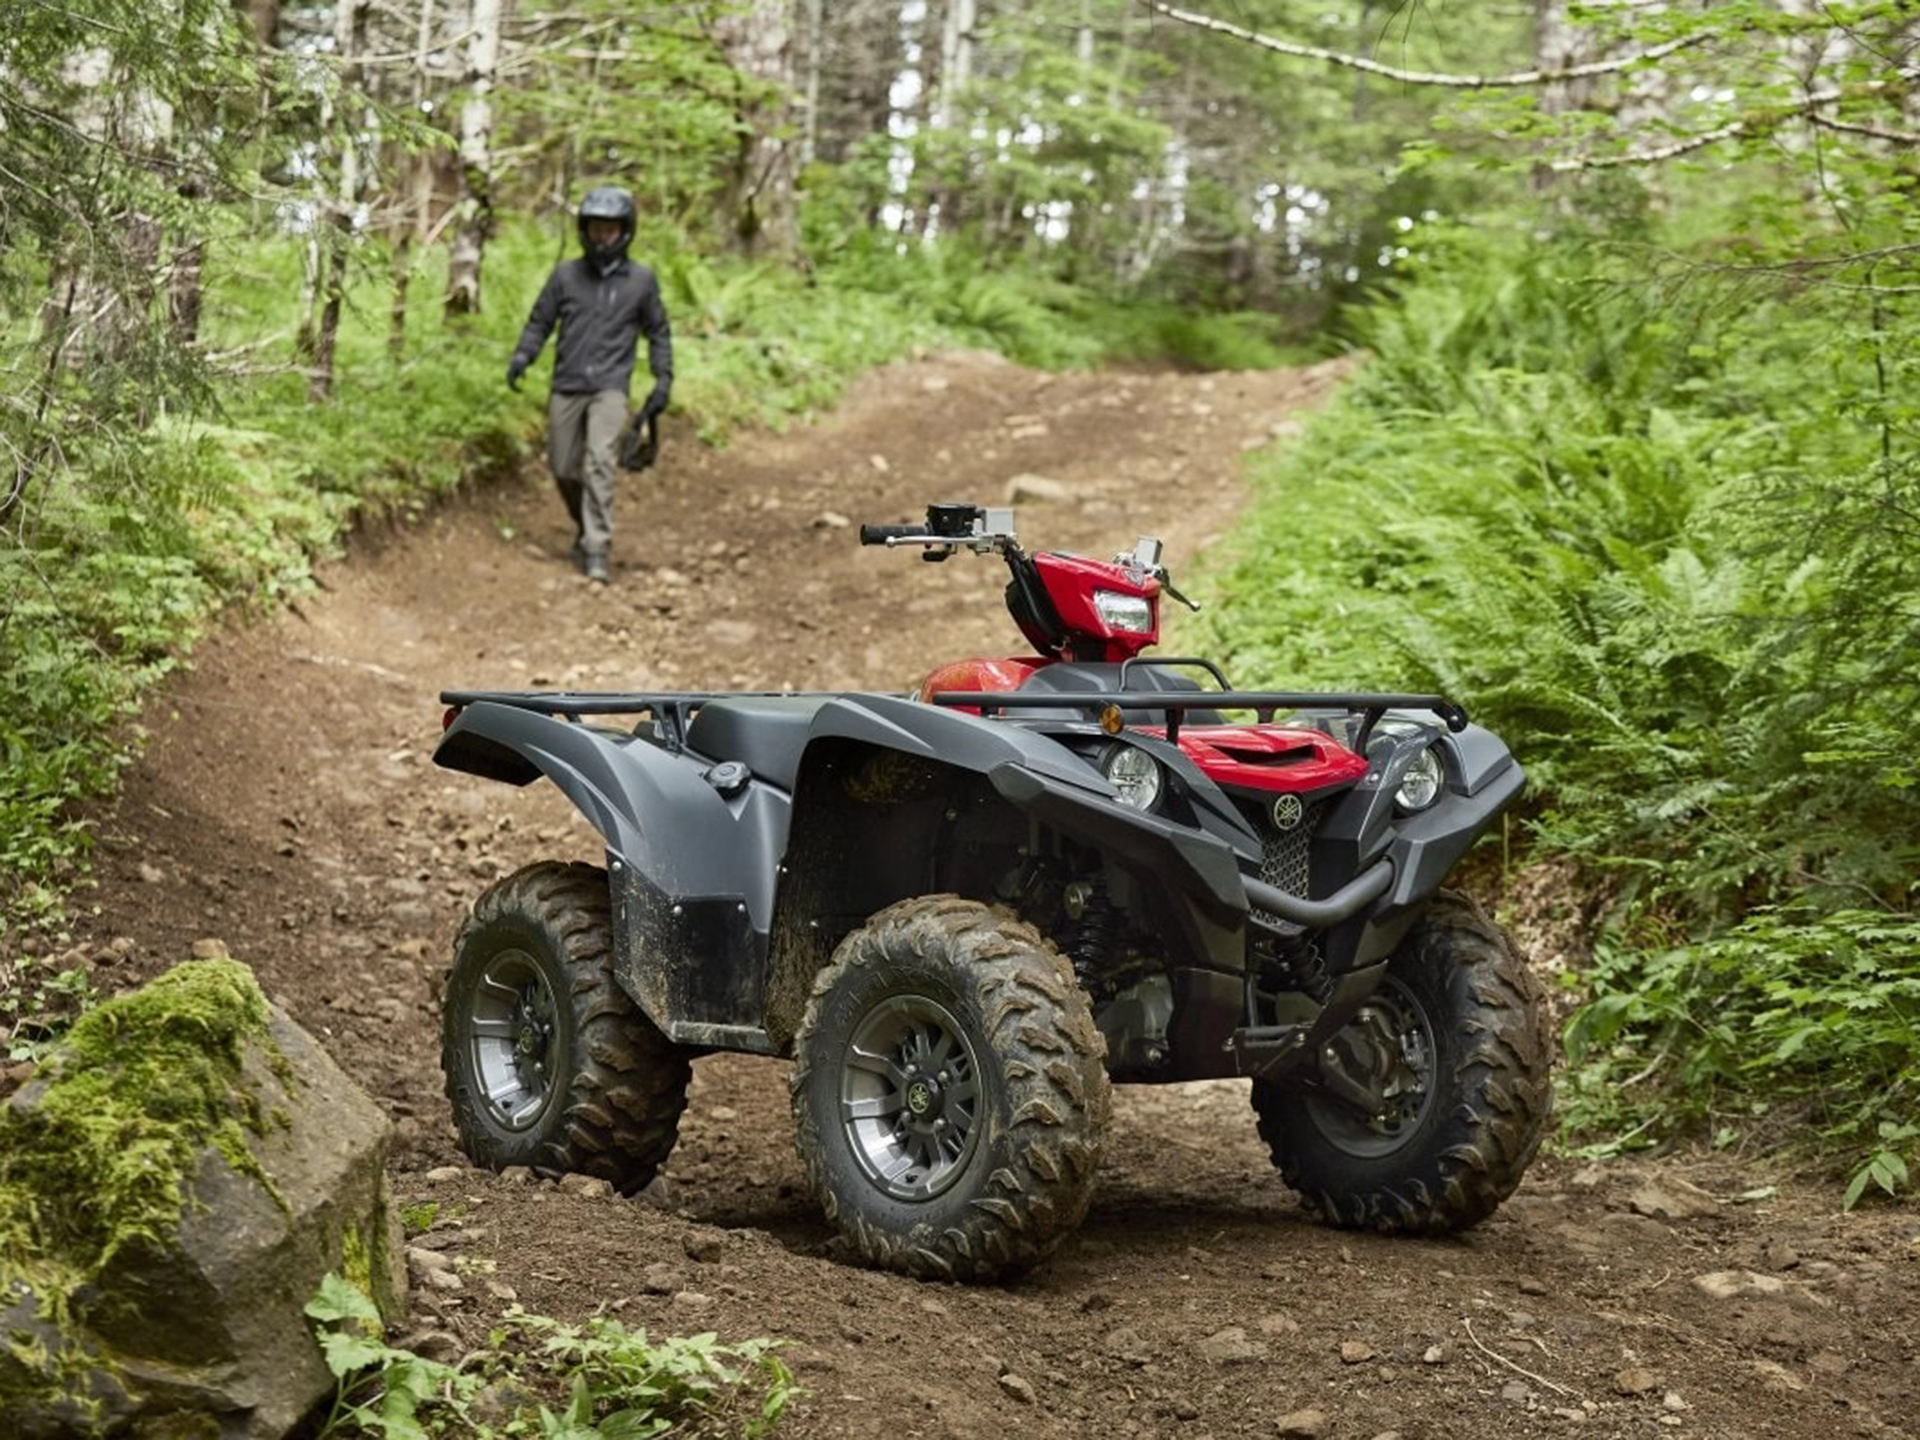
{"x":1459,"y":1027}
{"x":950,"y":1096}
{"x":548,"y":1063}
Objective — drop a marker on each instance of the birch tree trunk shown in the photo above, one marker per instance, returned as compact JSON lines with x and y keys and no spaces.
{"x":757,"y":41}
{"x":414,"y":208}
{"x":474,"y":221}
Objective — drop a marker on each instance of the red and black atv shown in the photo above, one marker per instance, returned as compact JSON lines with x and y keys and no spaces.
{"x":965,"y":912}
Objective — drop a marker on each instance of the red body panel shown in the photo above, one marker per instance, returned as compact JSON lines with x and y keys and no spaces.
{"x":986,"y":675}
{"x":1280,"y":758}
{"x":1070,"y":581}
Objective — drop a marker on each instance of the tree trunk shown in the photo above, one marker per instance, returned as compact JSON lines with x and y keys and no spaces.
{"x":761,"y":215}
{"x":413,"y":212}
{"x":474,"y":222}
{"x":350,"y":18}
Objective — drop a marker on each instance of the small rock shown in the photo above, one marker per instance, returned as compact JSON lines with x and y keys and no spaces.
{"x":1230,"y":1347}
{"x":692,"y":1300}
{"x":211,"y":949}
{"x":151,"y":874}
{"x":516,"y":1175}
{"x":660,"y":1278}
{"x":879,"y":463}
{"x":1286,"y":430}
{"x":1776,"y":1377}
{"x":440,"y":1345}
{"x":1389,"y":1435}
{"x":934,"y":1307}
{"x":1530,"y":1286}
{"x":1829,"y":1362}
{"x":1672,"y":1401}
{"x":1566,"y":1412}
{"x":1279,"y":1323}
{"x":1302,"y":1425}
{"x":1185,"y":1409}
{"x":587,"y":1187}
{"x":444,"y":1280}
{"x":1024,"y":488}
{"x":445,"y":1174}
{"x":1731,"y":1284}
{"x":1675,"y":1199}
{"x":1517,"y":1391}
{"x":1125,"y":1344}
{"x":935,"y":384}
{"x":501,"y":1291}
{"x":427,"y":1260}
{"x":724,"y":1114}
{"x":1017,"y":1389}
{"x":830,"y":520}
{"x":1356,"y":1352}
{"x":703,"y":1246}
{"x":1034,"y":430}
{"x":1434,"y":1355}
{"x":1635,"y":1380}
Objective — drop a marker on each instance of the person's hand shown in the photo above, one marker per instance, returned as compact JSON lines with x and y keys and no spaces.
{"x":656,"y":404}
{"x":516,"y":367}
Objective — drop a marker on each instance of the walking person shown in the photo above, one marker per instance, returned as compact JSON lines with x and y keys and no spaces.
{"x":603,"y":303}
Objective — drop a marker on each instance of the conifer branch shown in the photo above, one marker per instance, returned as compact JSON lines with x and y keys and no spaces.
{"x":1517,"y":79}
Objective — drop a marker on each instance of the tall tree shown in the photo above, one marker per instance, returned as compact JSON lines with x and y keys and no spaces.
{"x":473,"y":223}
{"x":761,"y":207}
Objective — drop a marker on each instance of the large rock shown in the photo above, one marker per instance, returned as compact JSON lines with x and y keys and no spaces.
{"x":171,"y":1303}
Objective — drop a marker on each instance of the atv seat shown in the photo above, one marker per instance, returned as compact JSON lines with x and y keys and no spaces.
{"x":766,"y":733}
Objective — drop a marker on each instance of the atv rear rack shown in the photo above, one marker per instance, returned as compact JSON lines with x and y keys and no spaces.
{"x":1264,"y":703}
{"x":672,"y":709}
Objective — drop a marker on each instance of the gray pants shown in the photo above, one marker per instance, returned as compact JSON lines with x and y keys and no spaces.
{"x":583,"y":438}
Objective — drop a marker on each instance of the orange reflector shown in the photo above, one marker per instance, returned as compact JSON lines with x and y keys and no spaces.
{"x":1111,"y":720}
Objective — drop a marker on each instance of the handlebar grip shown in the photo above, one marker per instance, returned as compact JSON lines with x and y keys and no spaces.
{"x":881,"y":534}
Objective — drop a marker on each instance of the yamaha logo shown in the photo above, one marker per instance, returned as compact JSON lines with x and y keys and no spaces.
{"x":1287,"y":811}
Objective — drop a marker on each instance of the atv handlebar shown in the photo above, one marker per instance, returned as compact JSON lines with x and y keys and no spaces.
{"x":887,"y":534}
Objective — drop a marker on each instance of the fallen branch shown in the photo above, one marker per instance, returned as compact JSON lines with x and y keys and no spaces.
{"x":1517,"y":1369}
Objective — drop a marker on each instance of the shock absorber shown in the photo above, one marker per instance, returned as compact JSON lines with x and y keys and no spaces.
{"x":1096,"y":930}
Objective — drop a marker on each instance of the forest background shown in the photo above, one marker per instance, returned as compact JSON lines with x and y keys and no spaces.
{"x":1631,"y":465}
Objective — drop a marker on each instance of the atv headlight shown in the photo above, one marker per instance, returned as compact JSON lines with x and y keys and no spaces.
{"x":1420,"y":785}
{"x":1133,"y":613}
{"x":1134,"y":773}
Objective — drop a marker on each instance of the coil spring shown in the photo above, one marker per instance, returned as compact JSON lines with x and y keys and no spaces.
{"x":1096,"y":935}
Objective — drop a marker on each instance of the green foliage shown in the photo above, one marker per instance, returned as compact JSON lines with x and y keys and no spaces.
{"x":1813,"y":1015}
{"x":1674,"y":564}
{"x":594,"y":1381}
{"x":419,"y":1218}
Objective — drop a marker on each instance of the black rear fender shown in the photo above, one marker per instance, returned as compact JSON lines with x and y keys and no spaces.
{"x":692,"y":871}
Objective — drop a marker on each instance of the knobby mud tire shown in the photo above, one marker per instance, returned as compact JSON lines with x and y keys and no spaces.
{"x":1047,"y":1103}
{"x":1492,"y":1069}
{"x":621,"y":1084}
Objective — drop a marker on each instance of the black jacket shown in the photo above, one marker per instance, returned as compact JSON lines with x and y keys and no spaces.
{"x":601,"y":316}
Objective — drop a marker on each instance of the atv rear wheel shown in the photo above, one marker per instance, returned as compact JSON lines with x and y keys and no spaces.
{"x":950,"y":1096}
{"x":548,"y":1063}
{"x":1459,"y":1024}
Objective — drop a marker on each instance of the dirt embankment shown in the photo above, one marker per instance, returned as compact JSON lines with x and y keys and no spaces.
{"x":287,"y":807}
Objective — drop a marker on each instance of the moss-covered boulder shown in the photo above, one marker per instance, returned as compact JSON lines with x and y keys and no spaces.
{"x":174,"y":1183}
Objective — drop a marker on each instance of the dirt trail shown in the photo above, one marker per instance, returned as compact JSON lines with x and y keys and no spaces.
{"x":287,"y":807}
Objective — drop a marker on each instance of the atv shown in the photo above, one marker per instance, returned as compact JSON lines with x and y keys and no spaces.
{"x":964,"y":913}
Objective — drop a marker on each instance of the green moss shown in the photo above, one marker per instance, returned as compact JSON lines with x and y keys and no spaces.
{"x":140,"y":1088}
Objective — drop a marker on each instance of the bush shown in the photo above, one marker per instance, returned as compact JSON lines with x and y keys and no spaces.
{"x":1675,"y":567}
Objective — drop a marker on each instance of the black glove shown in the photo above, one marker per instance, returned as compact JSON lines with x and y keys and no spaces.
{"x":656,"y":404}
{"x":516,"y":367}
{"x":640,"y":445}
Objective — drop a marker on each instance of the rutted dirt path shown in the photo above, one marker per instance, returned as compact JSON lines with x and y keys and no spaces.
{"x":287,"y":807}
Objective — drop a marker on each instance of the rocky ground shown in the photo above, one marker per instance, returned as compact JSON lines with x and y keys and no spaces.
{"x":287,"y":810}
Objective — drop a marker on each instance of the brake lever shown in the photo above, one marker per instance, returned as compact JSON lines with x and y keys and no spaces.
{"x":1166,"y":584}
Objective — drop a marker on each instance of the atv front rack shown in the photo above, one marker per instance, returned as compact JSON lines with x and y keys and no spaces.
{"x":1264,"y":703}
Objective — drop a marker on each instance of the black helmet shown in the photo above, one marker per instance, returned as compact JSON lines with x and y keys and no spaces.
{"x":607,"y":202}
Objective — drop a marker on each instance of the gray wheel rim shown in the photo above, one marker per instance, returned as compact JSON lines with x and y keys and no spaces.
{"x":1411,"y":1085}
{"x":511,"y":1039}
{"x":910,"y":1097}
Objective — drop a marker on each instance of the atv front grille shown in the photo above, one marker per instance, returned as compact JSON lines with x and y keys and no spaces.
{"x":1284,"y":857}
